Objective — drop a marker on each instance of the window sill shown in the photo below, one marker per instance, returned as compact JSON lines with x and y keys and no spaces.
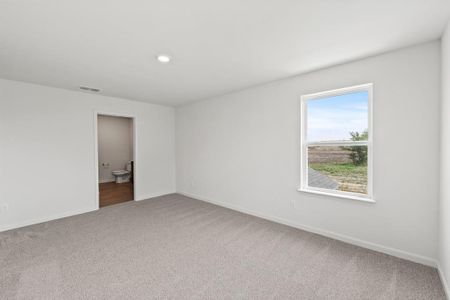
{"x":324,"y":193}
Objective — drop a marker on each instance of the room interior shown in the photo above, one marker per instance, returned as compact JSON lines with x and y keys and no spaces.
{"x":115,"y":147}
{"x":260,"y":149}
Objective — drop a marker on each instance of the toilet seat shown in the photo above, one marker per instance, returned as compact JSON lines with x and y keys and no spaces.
{"x":120,"y":172}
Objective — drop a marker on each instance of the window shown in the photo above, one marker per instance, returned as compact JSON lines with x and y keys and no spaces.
{"x":336,"y":143}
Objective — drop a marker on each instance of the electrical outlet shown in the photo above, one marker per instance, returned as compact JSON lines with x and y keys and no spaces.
{"x":4,"y":208}
{"x":193,"y":186}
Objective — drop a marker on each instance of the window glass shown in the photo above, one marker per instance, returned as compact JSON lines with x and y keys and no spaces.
{"x":336,"y":142}
{"x":335,"y":118}
{"x":338,"y":168}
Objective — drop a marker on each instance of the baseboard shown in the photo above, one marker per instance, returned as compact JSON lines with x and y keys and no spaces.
{"x":68,"y":214}
{"x":444,"y":281}
{"x":106,"y":180}
{"x":361,"y":243}
{"x":45,"y":219}
{"x":148,"y":196}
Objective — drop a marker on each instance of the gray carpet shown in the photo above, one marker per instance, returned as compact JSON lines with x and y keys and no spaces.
{"x":180,"y":248}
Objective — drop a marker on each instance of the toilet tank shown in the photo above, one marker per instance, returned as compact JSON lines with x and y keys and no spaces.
{"x":128,"y":166}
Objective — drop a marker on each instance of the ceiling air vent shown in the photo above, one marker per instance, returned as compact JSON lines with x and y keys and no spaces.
{"x":89,"y":89}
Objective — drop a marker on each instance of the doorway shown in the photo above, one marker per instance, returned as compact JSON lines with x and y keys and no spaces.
{"x":115,"y":153}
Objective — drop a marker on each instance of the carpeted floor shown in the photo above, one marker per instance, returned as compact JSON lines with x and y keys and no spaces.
{"x":180,"y":248}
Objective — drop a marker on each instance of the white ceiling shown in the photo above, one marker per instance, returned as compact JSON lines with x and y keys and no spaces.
{"x":217,"y":46}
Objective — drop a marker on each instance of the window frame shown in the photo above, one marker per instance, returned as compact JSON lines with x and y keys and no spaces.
{"x":304,"y":144}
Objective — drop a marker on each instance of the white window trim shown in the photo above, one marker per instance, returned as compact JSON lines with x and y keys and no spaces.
{"x":304,"y":144}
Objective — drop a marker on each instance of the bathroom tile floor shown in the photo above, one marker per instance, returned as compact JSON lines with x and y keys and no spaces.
{"x":113,"y":193}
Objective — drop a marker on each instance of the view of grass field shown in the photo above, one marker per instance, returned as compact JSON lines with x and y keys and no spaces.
{"x":351,"y":178}
{"x":337,"y":119}
{"x":345,"y":166}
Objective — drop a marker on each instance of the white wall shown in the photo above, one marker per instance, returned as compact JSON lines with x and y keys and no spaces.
{"x":242,"y":150}
{"x":47,"y":158}
{"x":444,"y":208}
{"x":115,"y":145}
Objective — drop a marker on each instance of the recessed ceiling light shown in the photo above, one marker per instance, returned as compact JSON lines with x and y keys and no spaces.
{"x":163,"y":58}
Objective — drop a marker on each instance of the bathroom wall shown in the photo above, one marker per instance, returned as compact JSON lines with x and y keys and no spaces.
{"x":115,"y":145}
{"x":47,"y":151}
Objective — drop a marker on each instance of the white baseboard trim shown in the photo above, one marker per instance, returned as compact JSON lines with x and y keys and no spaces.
{"x":444,"y":281}
{"x":68,"y":214}
{"x":140,"y":198}
{"x":45,"y":219}
{"x":344,"y":238}
{"x":106,"y":180}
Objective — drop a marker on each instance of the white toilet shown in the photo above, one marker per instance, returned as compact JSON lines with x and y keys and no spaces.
{"x":123,"y":175}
